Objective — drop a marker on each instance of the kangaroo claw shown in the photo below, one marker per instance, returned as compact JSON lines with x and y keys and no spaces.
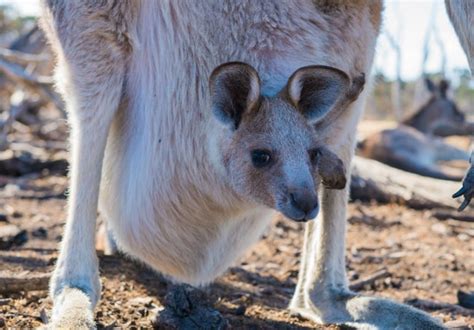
{"x":467,"y":189}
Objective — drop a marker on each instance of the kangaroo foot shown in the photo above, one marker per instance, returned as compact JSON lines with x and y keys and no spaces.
{"x":72,"y":310}
{"x":361,"y":312}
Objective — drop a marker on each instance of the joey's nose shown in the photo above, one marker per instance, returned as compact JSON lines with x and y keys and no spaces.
{"x":305,"y":201}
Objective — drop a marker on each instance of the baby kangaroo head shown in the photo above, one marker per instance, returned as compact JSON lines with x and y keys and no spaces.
{"x":270,"y":149}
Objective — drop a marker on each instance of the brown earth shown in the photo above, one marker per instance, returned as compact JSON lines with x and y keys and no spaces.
{"x":426,"y":259}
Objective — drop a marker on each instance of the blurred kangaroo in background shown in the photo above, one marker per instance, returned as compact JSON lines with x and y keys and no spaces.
{"x":440,"y":115}
{"x":414,"y":146}
{"x":190,"y":171}
{"x":408,"y":149}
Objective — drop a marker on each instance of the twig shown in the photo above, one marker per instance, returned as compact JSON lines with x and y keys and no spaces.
{"x":16,"y":72}
{"x":10,"y":283}
{"x":359,"y":284}
{"x":5,"y":301}
{"x":22,"y":58}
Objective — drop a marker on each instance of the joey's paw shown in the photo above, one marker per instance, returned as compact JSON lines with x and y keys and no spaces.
{"x":331,"y":169}
{"x":467,"y":189}
{"x":72,"y":310}
{"x":357,"y":87}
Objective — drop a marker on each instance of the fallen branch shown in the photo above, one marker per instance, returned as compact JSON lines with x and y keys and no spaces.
{"x":374,"y":181}
{"x":359,"y":284}
{"x":10,"y":283}
{"x":446,"y":215}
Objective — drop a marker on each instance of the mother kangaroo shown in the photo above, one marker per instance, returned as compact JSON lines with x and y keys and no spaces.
{"x":188,"y":170}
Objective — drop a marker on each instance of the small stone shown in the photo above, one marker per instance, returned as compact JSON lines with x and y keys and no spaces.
{"x":40,"y":232}
{"x":5,"y":301}
{"x":466,"y":299}
{"x":11,"y":235}
{"x":440,"y":228}
{"x":141,"y":301}
{"x":457,"y":324}
{"x":240,"y":310}
{"x":12,"y":212}
{"x":17,"y":214}
{"x":463,"y":237}
{"x":266,"y":291}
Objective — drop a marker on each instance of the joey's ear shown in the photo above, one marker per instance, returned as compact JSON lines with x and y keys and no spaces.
{"x":235,"y":90}
{"x":331,"y":169}
{"x":315,"y":89}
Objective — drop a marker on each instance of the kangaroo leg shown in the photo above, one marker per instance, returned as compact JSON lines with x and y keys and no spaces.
{"x":91,"y":64}
{"x":459,"y":13}
{"x":322,"y":292}
{"x":105,"y":238}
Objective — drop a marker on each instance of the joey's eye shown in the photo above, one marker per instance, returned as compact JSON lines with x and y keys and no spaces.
{"x":314,"y":155}
{"x":261,"y":158}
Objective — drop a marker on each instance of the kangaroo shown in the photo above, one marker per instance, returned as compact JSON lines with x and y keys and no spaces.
{"x":439,"y":115}
{"x":188,"y":171}
{"x":461,"y":14}
{"x":410,"y":150}
{"x":413,"y":145}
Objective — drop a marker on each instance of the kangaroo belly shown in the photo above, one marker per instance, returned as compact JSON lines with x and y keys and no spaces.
{"x":185,"y":247}
{"x":167,"y":204}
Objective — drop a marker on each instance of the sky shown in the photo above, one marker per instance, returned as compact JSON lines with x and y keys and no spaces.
{"x":407,"y":21}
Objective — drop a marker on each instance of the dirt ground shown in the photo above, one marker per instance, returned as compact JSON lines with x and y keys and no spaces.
{"x":426,"y":259}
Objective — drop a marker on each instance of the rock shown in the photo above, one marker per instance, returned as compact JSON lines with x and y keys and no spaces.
{"x":240,"y":310}
{"x":10,"y":211}
{"x":466,"y":299}
{"x":40,"y":232}
{"x":11,"y":235}
{"x":187,"y":308}
{"x":20,"y":162}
